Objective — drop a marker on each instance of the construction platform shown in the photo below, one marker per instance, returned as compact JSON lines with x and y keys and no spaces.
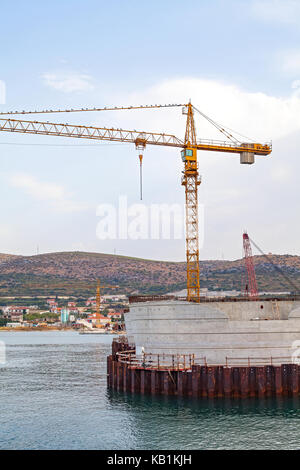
{"x":181,"y":375}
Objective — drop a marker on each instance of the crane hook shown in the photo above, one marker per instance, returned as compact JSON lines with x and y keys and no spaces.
{"x":141,"y":176}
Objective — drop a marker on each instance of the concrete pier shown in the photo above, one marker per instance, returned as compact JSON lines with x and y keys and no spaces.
{"x":223,"y":332}
{"x":201,"y":381}
{"x":230,"y":348}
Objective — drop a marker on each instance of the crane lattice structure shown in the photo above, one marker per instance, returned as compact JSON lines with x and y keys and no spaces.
{"x":250,"y":286}
{"x":189,"y":145}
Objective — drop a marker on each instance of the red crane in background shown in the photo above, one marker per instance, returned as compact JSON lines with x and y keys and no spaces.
{"x":249,"y":288}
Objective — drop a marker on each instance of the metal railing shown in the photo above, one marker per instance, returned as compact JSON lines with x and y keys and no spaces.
{"x":160,"y":298}
{"x":257,"y":361}
{"x":158,"y":361}
{"x":185,"y":362}
{"x":226,"y":143}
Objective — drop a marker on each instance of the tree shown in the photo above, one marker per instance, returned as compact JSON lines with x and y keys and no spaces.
{"x":3,"y":321}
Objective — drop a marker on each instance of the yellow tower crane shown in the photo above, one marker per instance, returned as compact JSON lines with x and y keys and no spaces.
{"x":189,"y":145}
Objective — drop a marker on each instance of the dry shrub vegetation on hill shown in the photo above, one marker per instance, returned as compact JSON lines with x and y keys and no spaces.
{"x":76,"y":273}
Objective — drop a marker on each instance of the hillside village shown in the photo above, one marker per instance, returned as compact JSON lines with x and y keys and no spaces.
{"x":57,"y":312}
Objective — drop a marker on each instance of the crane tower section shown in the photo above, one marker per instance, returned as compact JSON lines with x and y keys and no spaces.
{"x":191,"y":181}
{"x":250,"y":287}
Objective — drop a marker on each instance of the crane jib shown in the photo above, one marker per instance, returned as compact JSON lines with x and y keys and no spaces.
{"x":127,"y":136}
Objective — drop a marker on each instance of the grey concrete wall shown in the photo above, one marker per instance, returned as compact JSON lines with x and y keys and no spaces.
{"x":216,"y":330}
{"x":271,"y":310}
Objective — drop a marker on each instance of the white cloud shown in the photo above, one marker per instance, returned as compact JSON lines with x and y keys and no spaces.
{"x":68,"y":82}
{"x":296,"y":84}
{"x":257,"y":115}
{"x":281,"y":11}
{"x":290,"y":61}
{"x":52,"y":193}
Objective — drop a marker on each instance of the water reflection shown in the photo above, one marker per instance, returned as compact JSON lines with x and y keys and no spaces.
{"x":187,"y":423}
{"x":53,"y":395}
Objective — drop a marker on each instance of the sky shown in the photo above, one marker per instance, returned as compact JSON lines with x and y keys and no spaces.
{"x":237,"y":61}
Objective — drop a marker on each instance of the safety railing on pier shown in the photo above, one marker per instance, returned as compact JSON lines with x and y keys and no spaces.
{"x":158,"y":361}
{"x":257,"y":361}
{"x":185,"y":362}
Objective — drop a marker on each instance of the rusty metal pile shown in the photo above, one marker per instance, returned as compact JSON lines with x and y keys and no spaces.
{"x":128,"y":373}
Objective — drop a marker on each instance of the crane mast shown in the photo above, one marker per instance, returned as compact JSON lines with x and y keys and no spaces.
{"x":190,"y":145}
{"x":191,"y":181}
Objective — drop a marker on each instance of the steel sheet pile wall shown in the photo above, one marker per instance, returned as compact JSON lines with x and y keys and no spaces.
{"x":203,"y":381}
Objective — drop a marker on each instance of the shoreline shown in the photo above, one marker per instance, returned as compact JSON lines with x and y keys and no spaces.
{"x":8,"y":330}
{"x":36,"y":329}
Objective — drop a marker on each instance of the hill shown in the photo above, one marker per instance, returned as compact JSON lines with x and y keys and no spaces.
{"x":74,"y":273}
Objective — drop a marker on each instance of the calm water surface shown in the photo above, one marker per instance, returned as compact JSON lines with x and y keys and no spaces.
{"x":53,"y":395}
